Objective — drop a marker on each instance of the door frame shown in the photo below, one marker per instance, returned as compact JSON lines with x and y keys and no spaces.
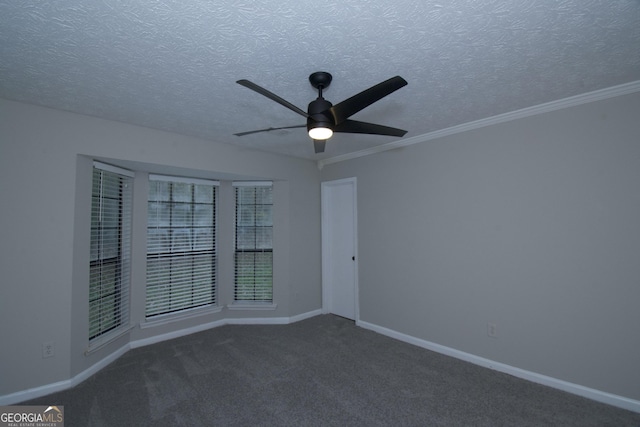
{"x":327,"y":266}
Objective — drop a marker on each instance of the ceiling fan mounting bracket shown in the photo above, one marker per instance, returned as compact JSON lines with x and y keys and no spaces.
{"x":320,"y":79}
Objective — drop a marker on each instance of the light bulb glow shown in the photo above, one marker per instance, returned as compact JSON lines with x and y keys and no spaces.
{"x":320,"y":133}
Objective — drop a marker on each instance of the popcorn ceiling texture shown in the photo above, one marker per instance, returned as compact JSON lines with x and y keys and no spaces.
{"x":172,"y":65}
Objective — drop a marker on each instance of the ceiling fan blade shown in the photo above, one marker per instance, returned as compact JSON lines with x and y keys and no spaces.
{"x":345,"y":109}
{"x":272,"y":96}
{"x":268,"y":129}
{"x":318,"y":145}
{"x":353,"y":126}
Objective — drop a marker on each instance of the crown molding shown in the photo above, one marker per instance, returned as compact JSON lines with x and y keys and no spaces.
{"x":585,"y":98}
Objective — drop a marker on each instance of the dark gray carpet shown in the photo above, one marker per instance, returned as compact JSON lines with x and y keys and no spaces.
{"x":322,"y":371}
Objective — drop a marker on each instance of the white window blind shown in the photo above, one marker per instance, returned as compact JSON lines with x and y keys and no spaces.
{"x":181,"y":244}
{"x":254,"y":242}
{"x":110,"y":255}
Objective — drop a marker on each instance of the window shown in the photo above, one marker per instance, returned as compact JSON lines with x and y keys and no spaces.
{"x":254,"y":242}
{"x":110,"y":255}
{"x":181,"y":244}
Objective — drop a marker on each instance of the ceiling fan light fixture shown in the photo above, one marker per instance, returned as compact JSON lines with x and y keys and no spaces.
{"x":321,"y":132}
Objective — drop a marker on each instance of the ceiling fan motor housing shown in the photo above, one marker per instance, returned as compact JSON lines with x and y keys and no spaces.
{"x":319,"y":115}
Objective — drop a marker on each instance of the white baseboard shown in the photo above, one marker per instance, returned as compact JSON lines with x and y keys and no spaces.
{"x":590,"y":393}
{"x":258,"y":321}
{"x":307,"y":315}
{"x":176,"y":334}
{"x":33,"y":393}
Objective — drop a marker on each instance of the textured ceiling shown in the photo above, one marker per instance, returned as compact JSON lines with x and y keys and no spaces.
{"x":172,"y":64}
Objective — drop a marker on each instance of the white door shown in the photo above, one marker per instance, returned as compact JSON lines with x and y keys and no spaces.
{"x":339,"y":247}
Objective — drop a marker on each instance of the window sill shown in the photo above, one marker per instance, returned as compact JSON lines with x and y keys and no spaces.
{"x":164,"y":319}
{"x":251,"y":305}
{"x":106,"y":339}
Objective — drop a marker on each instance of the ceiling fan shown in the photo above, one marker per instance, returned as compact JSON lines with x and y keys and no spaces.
{"x":324,"y":118}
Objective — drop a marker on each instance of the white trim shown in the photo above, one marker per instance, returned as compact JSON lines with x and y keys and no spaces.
{"x":177,"y":334}
{"x":304,"y":316}
{"x":163,"y":319}
{"x":113,"y":169}
{"x":32,"y":393}
{"x":184,"y":180}
{"x":259,"y":321}
{"x":252,"y":184}
{"x":585,"y":98}
{"x":251,"y":305}
{"x":103,"y":340}
{"x":590,"y":393}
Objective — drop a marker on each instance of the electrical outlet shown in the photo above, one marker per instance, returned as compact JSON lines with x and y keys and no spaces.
{"x":492,"y":330}
{"x":48,"y":349}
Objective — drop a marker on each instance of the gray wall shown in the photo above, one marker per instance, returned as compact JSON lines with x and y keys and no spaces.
{"x":45,"y":170}
{"x":533,"y":225}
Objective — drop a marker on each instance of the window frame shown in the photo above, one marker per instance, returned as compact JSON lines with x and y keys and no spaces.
{"x":256,"y":301}
{"x":197,"y":303}
{"x":119,"y":264}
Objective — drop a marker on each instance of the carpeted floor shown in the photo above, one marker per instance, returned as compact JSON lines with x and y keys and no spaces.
{"x":322,"y":371}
